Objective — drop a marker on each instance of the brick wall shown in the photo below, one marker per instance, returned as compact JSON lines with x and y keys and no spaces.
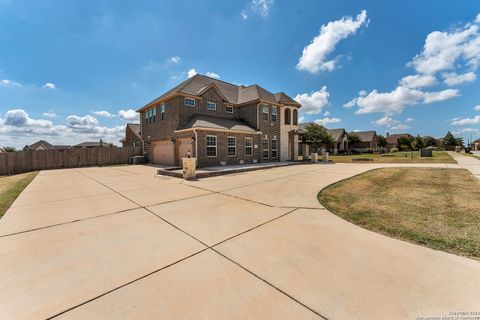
{"x":204,"y":161}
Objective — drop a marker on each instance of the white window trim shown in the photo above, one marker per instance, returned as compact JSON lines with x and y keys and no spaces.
{"x":188,"y":105}
{"x":162,"y":111}
{"x":268,"y":148}
{"x":207,"y":146}
{"x":274,"y":114}
{"x":209,"y":103}
{"x":250,"y":147}
{"x":235,"y":146}
{"x":267,"y":113}
{"x":274,"y":150}
{"x":226,"y":109}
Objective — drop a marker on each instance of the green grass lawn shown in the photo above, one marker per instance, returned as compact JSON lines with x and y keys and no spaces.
{"x":437,"y":208}
{"x":11,"y":187}
{"x":397,"y":157}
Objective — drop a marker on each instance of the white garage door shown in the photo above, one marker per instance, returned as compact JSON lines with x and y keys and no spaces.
{"x":163,"y":152}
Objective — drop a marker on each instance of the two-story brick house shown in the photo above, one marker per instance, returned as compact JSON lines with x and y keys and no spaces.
{"x":219,"y":123}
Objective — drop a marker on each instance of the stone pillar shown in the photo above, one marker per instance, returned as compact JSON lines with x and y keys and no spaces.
{"x":314,"y":157}
{"x":189,"y":165}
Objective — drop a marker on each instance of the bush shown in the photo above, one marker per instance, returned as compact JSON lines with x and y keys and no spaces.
{"x":394,"y":150}
{"x":368,"y":150}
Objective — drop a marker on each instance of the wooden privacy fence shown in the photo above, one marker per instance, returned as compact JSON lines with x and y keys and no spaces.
{"x":25,"y":161}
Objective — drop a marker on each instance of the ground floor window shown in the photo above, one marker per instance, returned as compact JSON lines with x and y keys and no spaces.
{"x":231,"y":146}
{"x":265,"y":148}
{"x":274,"y":148}
{"x":211,"y":146}
{"x":249,"y":146}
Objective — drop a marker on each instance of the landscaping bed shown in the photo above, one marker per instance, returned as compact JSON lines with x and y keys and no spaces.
{"x":437,"y":208}
{"x":395,"y":157}
{"x":11,"y":187}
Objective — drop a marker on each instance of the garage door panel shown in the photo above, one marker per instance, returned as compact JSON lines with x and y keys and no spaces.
{"x":163,"y":152}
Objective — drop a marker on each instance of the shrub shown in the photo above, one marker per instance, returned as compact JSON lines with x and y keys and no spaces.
{"x":394,"y":150}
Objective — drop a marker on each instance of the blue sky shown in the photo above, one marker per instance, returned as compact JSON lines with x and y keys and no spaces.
{"x":72,"y":71}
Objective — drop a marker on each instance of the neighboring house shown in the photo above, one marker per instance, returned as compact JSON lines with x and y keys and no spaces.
{"x":475,"y":145}
{"x":93,"y":144}
{"x":340,"y":140}
{"x":219,"y":123}
{"x":44,"y":145}
{"x":392,"y":139}
{"x":132,"y":136}
{"x":367,"y":141}
{"x":2,"y":151}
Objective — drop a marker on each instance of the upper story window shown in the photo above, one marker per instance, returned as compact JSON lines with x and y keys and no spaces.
{"x":249,"y":146}
{"x":265,"y":112}
{"x":231,"y":146}
{"x":288,"y":116}
{"x":154,"y":114}
{"x":295,"y":117}
{"x":212,"y":106}
{"x":229,"y":109}
{"x":146,"y":117}
{"x":211,"y":146}
{"x":162,"y":111}
{"x":150,"y":115}
{"x":190,"y":102}
{"x":274,"y":114}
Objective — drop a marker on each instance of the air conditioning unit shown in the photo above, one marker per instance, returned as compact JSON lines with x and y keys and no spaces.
{"x":242,"y":162}
{"x":254,"y":160}
{"x":223,"y":163}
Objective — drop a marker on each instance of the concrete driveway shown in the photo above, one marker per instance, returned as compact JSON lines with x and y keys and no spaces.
{"x":119,"y":243}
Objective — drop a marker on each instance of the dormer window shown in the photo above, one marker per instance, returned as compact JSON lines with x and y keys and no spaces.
{"x":211,"y":106}
{"x":190,"y":102}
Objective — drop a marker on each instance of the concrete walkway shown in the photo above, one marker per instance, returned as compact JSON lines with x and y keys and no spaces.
{"x":466,"y":162}
{"x":119,"y":243}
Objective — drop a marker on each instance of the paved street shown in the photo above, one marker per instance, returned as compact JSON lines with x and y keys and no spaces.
{"x":120,"y":243}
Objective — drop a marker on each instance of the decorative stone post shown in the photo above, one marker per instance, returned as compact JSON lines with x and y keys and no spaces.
{"x":314,"y":157}
{"x":189,"y":165}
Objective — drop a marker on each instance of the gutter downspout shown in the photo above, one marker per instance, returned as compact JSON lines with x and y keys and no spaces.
{"x":196,"y":146}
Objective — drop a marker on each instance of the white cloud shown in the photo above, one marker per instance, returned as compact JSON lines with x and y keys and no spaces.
{"x":314,"y":55}
{"x":478,"y":18}
{"x":262,"y":7}
{"x":9,"y":83}
{"x":212,"y":75}
{"x":49,"y":85}
{"x":244,"y":15}
{"x":175,"y":60}
{"x":392,"y":123}
{"x":477,"y":108}
{"x":466,"y":121}
{"x":451,"y":78}
{"x":430,"y":97}
{"x":326,"y":121}
{"x":104,"y":114}
{"x":409,"y":120}
{"x":49,"y":114}
{"x":18,"y":129}
{"x":326,"y":113}
{"x":86,"y":123}
{"x":191,"y":72}
{"x":394,"y":102}
{"x":445,"y":50}
{"x":129,"y":115}
{"x":418,"y":81}
{"x":314,"y":102}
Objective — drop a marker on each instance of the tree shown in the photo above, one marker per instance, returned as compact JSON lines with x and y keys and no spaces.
{"x":381,"y":141}
{"x":459,"y":141}
{"x":10,"y":149}
{"x":316,"y":136}
{"x":404,"y":143}
{"x":429,"y":141}
{"x":417,"y":143}
{"x":352,"y":138}
{"x":449,"y":139}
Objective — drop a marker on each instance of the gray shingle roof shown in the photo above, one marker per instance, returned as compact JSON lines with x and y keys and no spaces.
{"x":337,"y":134}
{"x":135,"y":129}
{"x":365,"y":136}
{"x":204,"y":121}
{"x":233,"y":94}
